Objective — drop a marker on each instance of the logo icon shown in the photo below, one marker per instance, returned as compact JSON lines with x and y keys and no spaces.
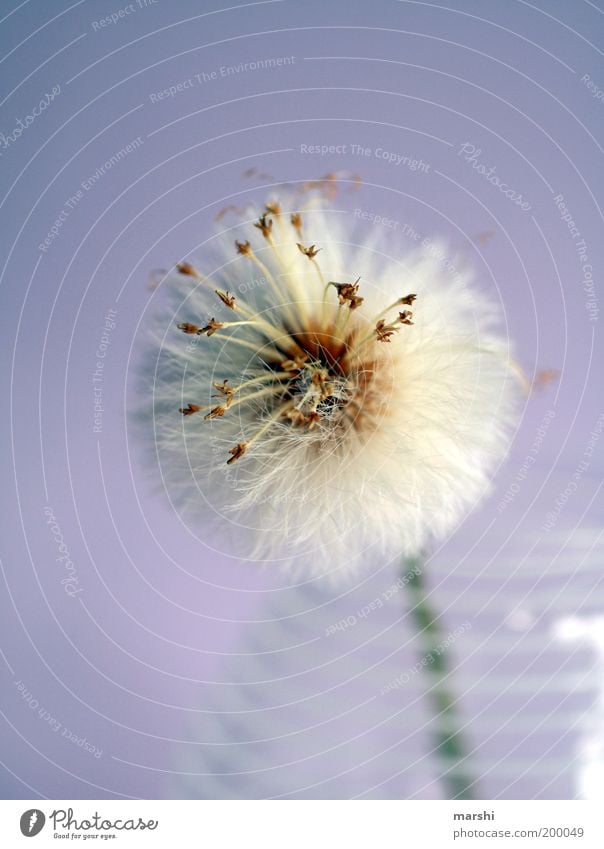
{"x":32,"y":822}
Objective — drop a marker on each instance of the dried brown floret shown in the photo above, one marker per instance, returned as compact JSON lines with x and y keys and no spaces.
{"x":296,"y":220}
{"x":237,"y":452}
{"x":265,"y":225}
{"x":215,"y":413}
{"x":384,"y":331}
{"x":310,"y":252}
{"x":243,"y":248}
{"x":186,"y":327}
{"x":227,"y":299}
{"x":211,"y":327}
{"x":189,"y":409}
{"x":187,"y":268}
{"x":348,"y":293}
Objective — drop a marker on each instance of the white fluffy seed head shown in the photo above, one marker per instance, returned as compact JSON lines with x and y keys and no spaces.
{"x":319,"y":398}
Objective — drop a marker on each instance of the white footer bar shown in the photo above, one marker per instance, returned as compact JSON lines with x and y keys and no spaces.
{"x":302,"y":824}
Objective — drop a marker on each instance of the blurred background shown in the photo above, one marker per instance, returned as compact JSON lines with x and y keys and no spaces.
{"x":135,"y":660}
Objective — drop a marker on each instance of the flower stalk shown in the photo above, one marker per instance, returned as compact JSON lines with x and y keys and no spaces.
{"x":449,"y":746}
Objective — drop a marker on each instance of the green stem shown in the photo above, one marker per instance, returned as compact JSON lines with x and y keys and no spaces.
{"x":448,"y":742}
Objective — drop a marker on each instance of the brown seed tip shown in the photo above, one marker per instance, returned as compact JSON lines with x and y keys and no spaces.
{"x":243,"y":248}
{"x":225,"y":390}
{"x":407,"y":300}
{"x":227,"y":299}
{"x":274,"y":208}
{"x":265,"y":225}
{"x":294,"y":364}
{"x":310,"y":252}
{"x":544,"y":377}
{"x":237,"y":452}
{"x":215,"y":413}
{"x":384,"y":331}
{"x":187,"y":268}
{"x":211,"y":327}
{"x":348,"y":293}
{"x":189,"y":328}
{"x":405,"y":317}
{"x":189,"y":409}
{"x":296,"y":220}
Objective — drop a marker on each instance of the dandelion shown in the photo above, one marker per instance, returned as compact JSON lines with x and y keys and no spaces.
{"x":359,"y":398}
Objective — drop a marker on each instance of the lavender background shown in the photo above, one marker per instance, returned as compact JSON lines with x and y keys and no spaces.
{"x":190,"y":673}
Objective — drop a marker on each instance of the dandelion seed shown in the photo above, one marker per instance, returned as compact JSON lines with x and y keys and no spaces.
{"x":348,"y":294}
{"x":384,"y":331}
{"x":225,"y":390}
{"x":310,"y":252}
{"x":191,"y":329}
{"x":265,"y":225}
{"x":188,"y":269}
{"x":211,"y":327}
{"x":227,"y":299}
{"x":237,"y":452}
{"x":296,"y":222}
{"x":243,"y":248}
{"x":215,"y":412}
{"x":189,"y":409}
